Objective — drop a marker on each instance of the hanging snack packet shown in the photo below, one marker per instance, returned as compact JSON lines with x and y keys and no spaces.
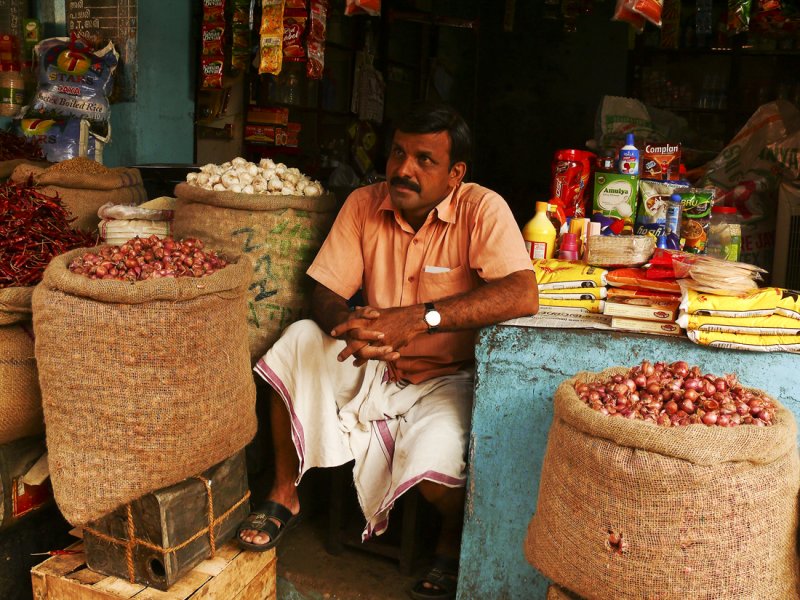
{"x":623,"y":13}
{"x":213,"y":11}
{"x":370,"y":7}
{"x":294,"y":28}
{"x":271,"y":31}
{"x":211,"y":70}
{"x":315,"y":40}
{"x":739,"y":15}
{"x":696,"y":218}
{"x":649,"y":9}
{"x":213,"y":38}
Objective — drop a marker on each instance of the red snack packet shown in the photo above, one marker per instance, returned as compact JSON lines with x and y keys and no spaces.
{"x":294,"y":26}
{"x":315,"y":40}
{"x":212,"y":67}
{"x":213,"y":10}
{"x":213,"y":38}
{"x":623,"y":13}
{"x":370,"y":7}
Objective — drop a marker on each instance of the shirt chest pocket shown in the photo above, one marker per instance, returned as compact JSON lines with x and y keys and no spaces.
{"x":443,"y":284}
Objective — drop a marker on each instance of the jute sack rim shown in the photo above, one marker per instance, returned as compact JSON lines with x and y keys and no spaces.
{"x":7,"y":166}
{"x":698,"y":443}
{"x":240,"y":201}
{"x":15,"y":304}
{"x":115,"y":178}
{"x":232,"y":280}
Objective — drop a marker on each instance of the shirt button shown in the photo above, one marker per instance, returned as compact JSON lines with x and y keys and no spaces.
{"x":416,"y":241}
{"x":411,"y":278}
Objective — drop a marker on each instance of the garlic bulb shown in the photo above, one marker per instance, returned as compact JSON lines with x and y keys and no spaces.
{"x":267,"y":177}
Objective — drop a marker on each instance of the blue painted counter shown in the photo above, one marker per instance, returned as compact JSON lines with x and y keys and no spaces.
{"x":518,"y":370}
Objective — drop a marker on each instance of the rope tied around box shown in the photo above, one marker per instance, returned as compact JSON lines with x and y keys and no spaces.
{"x":133,"y":541}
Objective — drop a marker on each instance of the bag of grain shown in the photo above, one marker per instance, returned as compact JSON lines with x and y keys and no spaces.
{"x":630,"y":509}
{"x":84,"y":186}
{"x":143,"y":383}
{"x":281,"y":233}
{"x":20,"y":399}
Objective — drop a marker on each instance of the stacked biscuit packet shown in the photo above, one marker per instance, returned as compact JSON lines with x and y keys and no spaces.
{"x":570,"y":286}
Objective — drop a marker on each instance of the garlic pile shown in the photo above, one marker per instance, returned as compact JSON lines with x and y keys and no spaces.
{"x":266,"y":177}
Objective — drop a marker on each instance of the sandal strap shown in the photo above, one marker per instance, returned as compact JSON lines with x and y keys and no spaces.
{"x":268,"y":513}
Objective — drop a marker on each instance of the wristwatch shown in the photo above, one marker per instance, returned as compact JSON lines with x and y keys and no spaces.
{"x":432,"y":317}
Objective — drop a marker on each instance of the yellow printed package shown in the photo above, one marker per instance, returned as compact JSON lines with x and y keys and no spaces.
{"x":592,"y":293}
{"x":591,"y":306}
{"x":760,"y":302}
{"x":738,"y":341}
{"x":771,"y":325}
{"x":556,"y":274}
{"x":271,"y":40}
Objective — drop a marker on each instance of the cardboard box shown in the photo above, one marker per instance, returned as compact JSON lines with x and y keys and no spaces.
{"x":642,"y":326}
{"x":259,"y":133}
{"x":638,"y":308}
{"x":233,"y":574}
{"x":20,"y":495}
{"x":168,"y":521}
{"x":614,"y":201}
{"x":268,"y":115}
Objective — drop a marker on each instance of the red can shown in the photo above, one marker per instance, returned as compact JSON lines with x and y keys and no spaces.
{"x":571,"y":172}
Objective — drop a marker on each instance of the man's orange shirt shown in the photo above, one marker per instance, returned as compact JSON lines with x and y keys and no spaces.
{"x":470,"y":237}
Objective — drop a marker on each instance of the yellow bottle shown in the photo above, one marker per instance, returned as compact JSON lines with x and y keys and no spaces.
{"x":540,"y":234}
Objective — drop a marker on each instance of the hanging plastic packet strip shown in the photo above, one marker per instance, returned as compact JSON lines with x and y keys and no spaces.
{"x":739,"y":15}
{"x":271,"y":31}
{"x":315,"y":39}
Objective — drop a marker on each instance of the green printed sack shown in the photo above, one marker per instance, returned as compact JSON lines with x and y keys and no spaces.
{"x":280,"y":234}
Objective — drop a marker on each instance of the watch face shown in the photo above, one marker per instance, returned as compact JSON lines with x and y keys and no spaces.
{"x":433,"y":318}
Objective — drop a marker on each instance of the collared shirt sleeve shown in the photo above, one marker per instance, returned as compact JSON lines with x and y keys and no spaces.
{"x":339,"y":264}
{"x":497,"y":248}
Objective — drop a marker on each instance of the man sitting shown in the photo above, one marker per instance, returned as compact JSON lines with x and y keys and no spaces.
{"x":390,"y":384}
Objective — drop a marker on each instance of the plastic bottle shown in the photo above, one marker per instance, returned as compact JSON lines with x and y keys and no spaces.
{"x":12,"y":93}
{"x":724,"y":233}
{"x":540,"y":234}
{"x":569,"y":247}
{"x":629,"y":157}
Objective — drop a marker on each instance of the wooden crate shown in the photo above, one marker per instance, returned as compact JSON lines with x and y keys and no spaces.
{"x":233,"y":574}
{"x":165,"y":523}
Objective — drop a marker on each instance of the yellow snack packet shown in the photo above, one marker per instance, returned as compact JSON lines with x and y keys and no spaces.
{"x":771,"y":325}
{"x":591,"y":293}
{"x":555,"y":274}
{"x":762,"y":302}
{"x":591,"y":306}
{"x":739,"y":341}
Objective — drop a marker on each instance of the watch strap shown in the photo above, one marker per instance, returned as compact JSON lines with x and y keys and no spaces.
{"x":428,"y":308}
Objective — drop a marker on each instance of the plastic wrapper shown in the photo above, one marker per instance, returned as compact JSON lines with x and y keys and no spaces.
{"x":294,"y":28}
{"x":623,"y":13}
{"x":74,"y":80}
{"x":654,"y":198}
{"x":133,"y":212}
{"x":369,"y":7}
{"x":619,"y":251}
{"x":557,"y":274}
{"x":739,"y":15}
{"x":59,"y":137}
{"x":212,"y":69}
{"x":696,"y":218}
{"x":315,"y":39}
{"x":271,"y":31}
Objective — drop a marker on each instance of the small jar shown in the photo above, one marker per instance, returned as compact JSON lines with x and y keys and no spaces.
{"x":724,"y":233}
{"x":12,"y":93}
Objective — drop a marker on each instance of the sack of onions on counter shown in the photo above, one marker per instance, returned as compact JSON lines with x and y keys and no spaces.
{"x":665,"y":481}
{"x":122,"y":222}
{"x":267,"y":177}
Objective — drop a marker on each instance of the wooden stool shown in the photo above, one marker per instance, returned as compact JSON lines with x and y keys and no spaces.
{"x":408,"y":550}
{"x":233,"y":574}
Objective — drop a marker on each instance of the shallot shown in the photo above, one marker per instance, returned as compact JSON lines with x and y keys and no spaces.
{"x":677,"y":394}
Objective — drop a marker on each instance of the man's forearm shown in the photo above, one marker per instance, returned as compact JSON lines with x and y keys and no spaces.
{"x":327,"y":308}
{"x":513,"y":296}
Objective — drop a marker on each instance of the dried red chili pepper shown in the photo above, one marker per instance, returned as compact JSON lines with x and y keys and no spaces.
{"x":34,"y":228}
{"x":14,"y":146}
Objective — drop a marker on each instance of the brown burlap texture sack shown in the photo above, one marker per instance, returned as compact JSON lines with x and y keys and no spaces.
{"x":281,"y":234}
{"x":84,"y":193}
{"x":143,"y":385}
{"x":20,"y":399}
{"x":7,"y":166}
{"x":703,"y":512}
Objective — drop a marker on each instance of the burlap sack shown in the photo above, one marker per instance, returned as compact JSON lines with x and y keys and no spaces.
{"x":280,"y":233}
{"x":20,"y":399}
{"x":7,"y":166}
{"x":143,"y":385}
{"x":703,"y":512}
{"x":83,"y":193}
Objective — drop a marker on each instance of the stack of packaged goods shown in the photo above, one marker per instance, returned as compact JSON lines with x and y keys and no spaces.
{"x":764,"y":319}
{"x":570,"y":286}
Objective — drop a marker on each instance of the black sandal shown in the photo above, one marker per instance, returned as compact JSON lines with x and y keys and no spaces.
{"x":443,"y":579}
{"x":263,"y":519}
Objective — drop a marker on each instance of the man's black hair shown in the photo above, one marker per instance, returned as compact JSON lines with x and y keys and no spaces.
{"x":432,"y":117}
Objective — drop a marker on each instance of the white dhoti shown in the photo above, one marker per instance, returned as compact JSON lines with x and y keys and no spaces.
{"x":398,"y":433}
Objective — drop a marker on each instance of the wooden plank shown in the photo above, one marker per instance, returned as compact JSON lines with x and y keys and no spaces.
{"x":237,"y":576}
{"x":118,"y":588}
{"x":262,"y":587}
{"x":86,"y":576}
{"x":48,"y":587}
{"x":61,"y":565}
{"x":212,"y":566}
{"x":183,"y":588}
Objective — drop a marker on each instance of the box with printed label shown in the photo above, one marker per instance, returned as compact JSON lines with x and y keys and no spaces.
{"x":259,"y":133}
{"x":614,"y":201}
{"x":268,"y":115}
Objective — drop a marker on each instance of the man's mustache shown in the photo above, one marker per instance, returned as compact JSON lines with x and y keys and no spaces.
{"x":406,"y":183}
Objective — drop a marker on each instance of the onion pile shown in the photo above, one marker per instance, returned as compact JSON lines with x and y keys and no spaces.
{"x":149,"y":258}
{"x":677,"y":394}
